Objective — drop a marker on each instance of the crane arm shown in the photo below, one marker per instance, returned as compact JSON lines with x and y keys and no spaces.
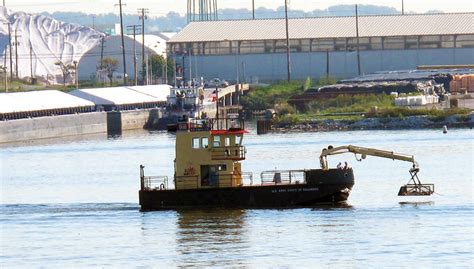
{"x":363,"y":154}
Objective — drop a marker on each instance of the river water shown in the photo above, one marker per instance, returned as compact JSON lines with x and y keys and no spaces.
{"x":73,"y":203}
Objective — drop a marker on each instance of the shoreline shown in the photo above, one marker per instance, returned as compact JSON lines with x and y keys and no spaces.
{"x":394,"y":123}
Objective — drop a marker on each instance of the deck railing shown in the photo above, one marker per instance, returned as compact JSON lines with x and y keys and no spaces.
{"x":211,"y":124}
{"x":236,"y":153}
{"x":283,"y":177}
{"x":155,"y":182}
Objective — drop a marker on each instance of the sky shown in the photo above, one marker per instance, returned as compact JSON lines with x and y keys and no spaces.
{"x":162,"y":7}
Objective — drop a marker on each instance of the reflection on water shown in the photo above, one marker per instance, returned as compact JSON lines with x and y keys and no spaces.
{"x":417,"y":204}
{"x":218,"y":233}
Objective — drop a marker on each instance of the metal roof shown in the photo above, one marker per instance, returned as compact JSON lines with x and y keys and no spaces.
{"x":160,"y":92}
{"x":114,"y":96}
{"x":39,"y":100}
{"x":328,"y":27}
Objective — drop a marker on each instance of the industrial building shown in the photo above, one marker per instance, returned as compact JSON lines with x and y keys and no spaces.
{"x":111,"y":47}
{"x":255,"y":50}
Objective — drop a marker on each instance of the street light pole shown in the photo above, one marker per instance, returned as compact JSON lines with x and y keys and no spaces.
{"x":76,"y":74}
{"x":288,"y":59}
{"x":357,"y":40}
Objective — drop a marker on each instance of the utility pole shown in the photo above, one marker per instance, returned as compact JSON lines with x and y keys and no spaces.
{"x":31,"y":62}
{"x":93,"y":22}
{"x":403,"y":8}
{"x":143,"y":17}
{"x":16,"y":52}
{"x":102,"y":41}
{"x":76,"y":74}
{"x":327,"y":66}
{"x":4,"y":68}
{"x":134,"y":29}
{"x":253,"y":9}
{"x":288,"y":58}
{"x":357,"y":40}
{"x":123,"y":43}
{"x":10,"y":48}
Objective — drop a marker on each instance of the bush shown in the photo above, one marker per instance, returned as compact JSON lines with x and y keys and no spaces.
{"x":285,"y":109}
{"x":267,"y":97}
{"x":350,"y":103}
{"x":287,"y":120}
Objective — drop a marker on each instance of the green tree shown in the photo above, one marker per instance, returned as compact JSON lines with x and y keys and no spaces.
{"x":157,"y":67}
{"x":109,"y":65}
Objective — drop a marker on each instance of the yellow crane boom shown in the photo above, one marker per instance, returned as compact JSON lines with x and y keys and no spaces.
{"x":363,"y":154}
{"x":414,"y":186}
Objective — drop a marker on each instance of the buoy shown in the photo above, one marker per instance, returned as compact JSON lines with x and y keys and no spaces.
{"x":445,"y":129}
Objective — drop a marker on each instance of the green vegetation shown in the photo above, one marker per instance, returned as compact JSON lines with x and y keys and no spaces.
{"x":276,"y":96}
{"x":343,"y":107}
{"x":350,"y":103}
{"x":271,"y":96}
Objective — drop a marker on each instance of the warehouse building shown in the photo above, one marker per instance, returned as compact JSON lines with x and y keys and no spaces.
{"x":255,"y":50}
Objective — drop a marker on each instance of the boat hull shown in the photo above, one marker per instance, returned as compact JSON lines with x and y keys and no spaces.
{"x":321,"y":186}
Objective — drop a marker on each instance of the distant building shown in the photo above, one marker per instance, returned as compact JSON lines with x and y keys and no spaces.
{"x":112,"y":48}
{"x":255,"y":50}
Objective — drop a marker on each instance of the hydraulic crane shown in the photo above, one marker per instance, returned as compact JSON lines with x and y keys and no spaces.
{"x":414,"y":187}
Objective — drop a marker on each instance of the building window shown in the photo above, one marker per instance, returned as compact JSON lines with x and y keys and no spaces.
{"x":257,"y":46}
{"x":411,"y":42}
{"x":465,"y":41}
{"x":340,"y":44}
{"x":279,"y":46}
{"x":391,"y":43}
{"x":323,"y":44}
{"x":376,"y":43}
{"x":447,"y":41}
{"x":428,"y":42}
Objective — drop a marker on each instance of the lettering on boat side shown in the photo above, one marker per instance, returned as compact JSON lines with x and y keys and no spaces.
{"x":295,"y":190}
{"x":189,"y":171}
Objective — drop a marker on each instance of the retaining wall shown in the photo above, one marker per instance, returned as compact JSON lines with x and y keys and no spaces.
{"x":52,"y":126}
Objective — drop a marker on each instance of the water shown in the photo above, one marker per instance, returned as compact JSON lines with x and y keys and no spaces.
{"x":73,"y":203}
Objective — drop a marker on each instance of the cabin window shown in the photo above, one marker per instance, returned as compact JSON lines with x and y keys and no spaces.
{"x":227,"y":141}
{"x":238,"y":140}
{"x":205,"y":142}
{"x":217,"y":141}
{"x":195,"y":142}
{"x":221,"y":167}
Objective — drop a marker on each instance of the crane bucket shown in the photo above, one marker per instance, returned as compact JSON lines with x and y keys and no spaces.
{"x":415,"y":187}
{"x":416,"y":190}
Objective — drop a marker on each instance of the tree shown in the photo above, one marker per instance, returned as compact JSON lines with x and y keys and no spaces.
{"x":157,"y":65}
{"x":66,"y":69}
{"x":110,"y":66}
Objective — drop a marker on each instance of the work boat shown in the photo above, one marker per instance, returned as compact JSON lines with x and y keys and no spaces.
{"x":208,"y":173}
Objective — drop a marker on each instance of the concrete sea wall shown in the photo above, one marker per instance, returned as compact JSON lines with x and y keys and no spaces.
{"x":112,"y":123}
{"x":52,"y":126}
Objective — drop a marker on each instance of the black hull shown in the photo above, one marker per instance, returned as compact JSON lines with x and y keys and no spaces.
{"x":331,"y":186}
